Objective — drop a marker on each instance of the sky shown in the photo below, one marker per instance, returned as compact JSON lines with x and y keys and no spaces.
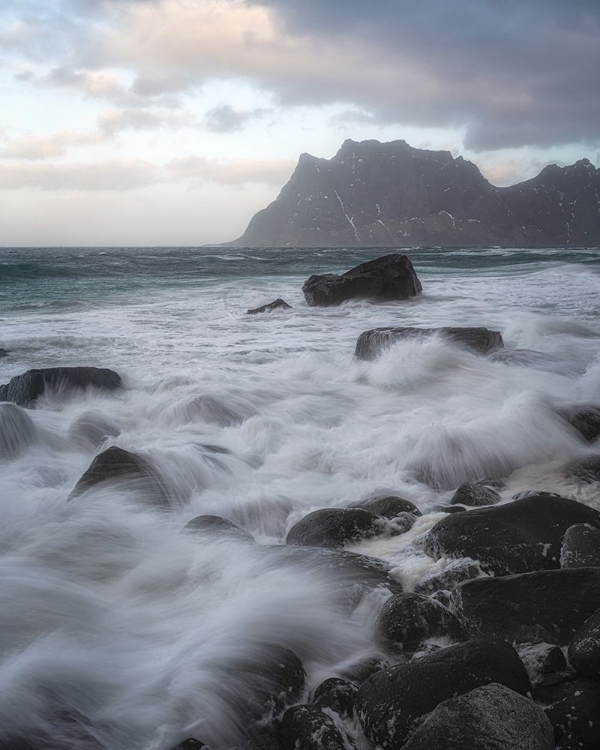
{"x":171,"y":122}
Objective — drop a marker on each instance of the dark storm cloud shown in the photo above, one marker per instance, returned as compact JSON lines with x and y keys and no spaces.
{"x":225,"y":119}
{"x":513,"y":73}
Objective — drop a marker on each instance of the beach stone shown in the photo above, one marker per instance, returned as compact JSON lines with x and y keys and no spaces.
{"x":17,"y":430}
{"x":573,"y":709}
{"x":336,"y":527}
{"x":474,"y":495}
{"x":117,"y":464}
{"x":388,"y":506}
{"x":218,"y":527}
{"x":26,"y":388}
{"x":371,"y":344}
{"x":336,"y":695}
{"x":406,"y":621}
{"x":390,"y":701}
{"x":277,"y":304}
{"x":584,"y":648}
{"x":547,"y":606}
{"x":586,"y":469}
{"x":581,"y":547}
{"x":585,"y":419}
{"x":456,"y":572}
{"x":491,"y":717}
{"x":517,"y":537}
{"x":545,"y":663}
{"x":308,"y":728}
{"x":391,"y":277}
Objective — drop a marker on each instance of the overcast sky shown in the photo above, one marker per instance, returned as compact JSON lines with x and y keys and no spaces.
{"x":170,"y":122}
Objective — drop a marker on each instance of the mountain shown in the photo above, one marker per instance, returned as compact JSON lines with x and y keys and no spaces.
{"x":390,"y":194}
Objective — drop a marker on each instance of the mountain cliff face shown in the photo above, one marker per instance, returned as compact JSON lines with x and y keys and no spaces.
{"x":390,"y":194}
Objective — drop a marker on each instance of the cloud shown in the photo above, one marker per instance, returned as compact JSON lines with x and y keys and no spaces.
{"x":232,"y":172}
{"x":118,"y":174}
{"x":116,"y":121}
{"x":35,"y":147}
{"x":225,"y":119}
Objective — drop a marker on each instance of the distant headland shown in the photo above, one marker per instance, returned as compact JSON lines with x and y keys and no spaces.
{"x":392,"y":195}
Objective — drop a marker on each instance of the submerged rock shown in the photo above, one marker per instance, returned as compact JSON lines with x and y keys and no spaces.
{"x":371,"y":344}
{"x":518,"y":537}
{"x":275,"y":305}
{"x":17,"y":430}
{"x":91,"y":428}
{"x":475,"y":495}
{"x":581,"y":547}
{"x":547,"y":606}
{"x":218,"y":527}
{"x":491,"y":717}
{"x":4,"y":352}
{"x":456,"y":572}
{"x":336,"y":527}
{"x":586,"y":469}
{"x":584,"y":418}
{"x":407,"y":621}
{"x":389,"y":702}
{"x":385,"y":279}
{"x":26,"y":388}
{"x":388,"y":506}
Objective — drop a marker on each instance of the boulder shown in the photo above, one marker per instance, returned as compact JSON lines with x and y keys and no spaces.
{"x":517,"y":537}
{"x":26,"y":388}
{"x":581,"y":547}
{"x":573,"y":709}
{"x":545,"y":663}
{"x":407,"y":621}
{"x":388,"y":506}
{"x":547,"y":606}
{"x":278,"y":303}
{"x":117,"y":464}
{"x":371,"y":344}
{"x":336,"y":527}
{"x":385,"y":279}
{"x":585,"y":418}
{"x":217,"y":527}
{"x":336,"y":695}
{"x":390,"y":701}
{"x":361,"y":670}
{"x":584,"y":648}
{"x":17,"y":430}
{"x":491,"y":717}
{"x":474,"y":495}
{"x":534,"y":493}
{"x":307,"y":727}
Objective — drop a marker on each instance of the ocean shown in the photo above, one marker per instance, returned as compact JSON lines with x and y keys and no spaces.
{"x":119,"y":632}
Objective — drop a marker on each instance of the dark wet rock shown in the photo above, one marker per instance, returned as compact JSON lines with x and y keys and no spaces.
{"x":584,"y":648}
{"x":581,"y":547}
{"x":91,"y":429}
{"x":371,"y":344}
{"x":336,"y":527}
{"x":362,"y":669}
{"x":407,"y":621}
{"x":534,"y":493}
{"x":518,"y":537}
{"x":117,"y":464}
{"x":586,"y":469}
{"x":217,"y":527}
{"x":309,"y":728}
{"x":390,"y":701}
{"x":545,"y":663}
{"x":17,"y":430}
{"x":448,"y":509}
{"x":336,"y":695}
{"x":573,"y":709}
{"x":26,"y":388}
{"x":277,"y":304}
{"x":584,"y":418}
{"x":457,"y":572}
{"x":496,"y":483}
{"x":387,"y":506}
{"x":385,"y":279}
{"x":474,"y":495}
{"x":547,"y":606}
{"x":190,"y":744}
{"x":491,"y":717}
{"x":4,"y":352}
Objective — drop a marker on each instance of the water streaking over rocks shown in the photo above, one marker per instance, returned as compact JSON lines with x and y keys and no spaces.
{"x":121,"y":630}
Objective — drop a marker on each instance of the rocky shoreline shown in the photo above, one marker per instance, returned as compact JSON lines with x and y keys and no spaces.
{"x":500,"y":650}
